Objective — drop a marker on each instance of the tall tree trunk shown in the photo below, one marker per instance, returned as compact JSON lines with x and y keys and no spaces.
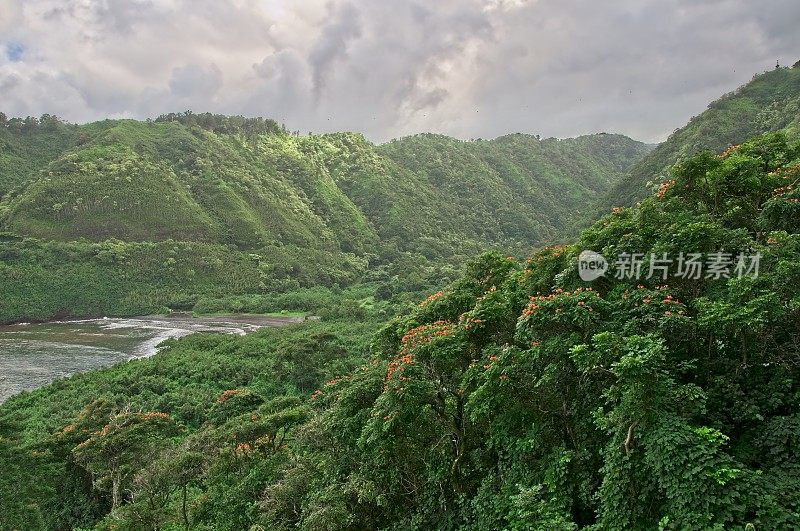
{"x":183,"y":506}
{"x":115,"y":481}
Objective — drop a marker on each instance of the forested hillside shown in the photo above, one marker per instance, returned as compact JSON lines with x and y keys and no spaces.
{"x":517,"y":397}
{"x":185,"y":179}
{"x":770,"y":102}
{"x":157,"y":212}
{"x":27,"y":146}
{"x":517,"y":188}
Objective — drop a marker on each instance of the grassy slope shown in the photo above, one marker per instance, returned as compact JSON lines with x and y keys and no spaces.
{"x":24,"y":154}
{"x":514,"y":189}
{"x":153,"y":181}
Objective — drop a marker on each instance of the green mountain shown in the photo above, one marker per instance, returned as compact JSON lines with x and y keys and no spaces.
{"x":318,"y":210}
{"x":151,"y":181}
{"x":514,"y":190}
{"x":518,"y":397}
{"x":770,"y":102}
{"x":29,"y":145}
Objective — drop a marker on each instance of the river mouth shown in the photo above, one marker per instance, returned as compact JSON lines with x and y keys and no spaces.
{"x":33,"y":355}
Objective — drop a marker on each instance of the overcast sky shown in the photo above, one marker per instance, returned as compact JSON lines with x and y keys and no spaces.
{"x":388,"y":68}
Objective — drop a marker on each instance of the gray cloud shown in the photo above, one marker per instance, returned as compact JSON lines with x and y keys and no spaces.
{"x":469,"y":68}
{"x":194,"y":81}
{"x":332,"y":44}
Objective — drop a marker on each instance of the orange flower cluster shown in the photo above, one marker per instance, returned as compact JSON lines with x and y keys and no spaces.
{"x":664,"y":187}
{"x":425,"y":334}
{"x":333,"y":381}
{"x":316,"y":394}
{"x":435,"y":296}
{"x":227,"y":395}
{"x":616,"y":210}
{"x":728,"y":151}
{"x":243,"y":449}
{"x":647,"y":299}
{"x":535,"y":301}
{"x":399,"y":365}
{"x":556,"y":250}
{"x":552,"y":251}
{"x":150,"y":415}
{"x":532,"y":261}
{"x":469,"y":322}
{"x":415,"y":337}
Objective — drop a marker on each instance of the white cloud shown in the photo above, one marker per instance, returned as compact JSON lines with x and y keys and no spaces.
{"x":470,"y":68}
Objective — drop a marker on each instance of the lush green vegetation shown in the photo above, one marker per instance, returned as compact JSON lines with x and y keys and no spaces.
{"x":770,"y":102}
{"x":154,"y":406}
{"x":518,"y":397}
{"x":122,"y":217}
{"x":42,"y":280}
{"x":29,"y":145}
{"x":227,"y":180}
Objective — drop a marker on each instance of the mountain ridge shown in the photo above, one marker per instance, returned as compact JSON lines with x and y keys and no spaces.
{"x":201,"y":180}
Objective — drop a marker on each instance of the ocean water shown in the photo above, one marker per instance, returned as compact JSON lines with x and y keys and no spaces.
{"x":33,"y":355}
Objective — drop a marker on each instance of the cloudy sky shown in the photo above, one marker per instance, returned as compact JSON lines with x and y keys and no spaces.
{"x":468,"y":68}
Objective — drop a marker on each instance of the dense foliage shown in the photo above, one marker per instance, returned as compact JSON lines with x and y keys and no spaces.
{"x":42,"y":280}
{"x":518,"y":397}
{"x":74,"y":450}
{"x":191,"y":206}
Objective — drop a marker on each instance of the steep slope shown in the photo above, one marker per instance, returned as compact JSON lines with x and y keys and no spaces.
{"x":152,"y":181}
{"x":149,"y":215}
{"x":184,"y":179}
{"x":27,"y":146}
{"x":770,"y":102}
{"x":516,"y":189}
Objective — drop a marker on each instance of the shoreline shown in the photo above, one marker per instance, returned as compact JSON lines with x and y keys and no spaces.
{"x":237,"y":318}
{"x":50,"y":350}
